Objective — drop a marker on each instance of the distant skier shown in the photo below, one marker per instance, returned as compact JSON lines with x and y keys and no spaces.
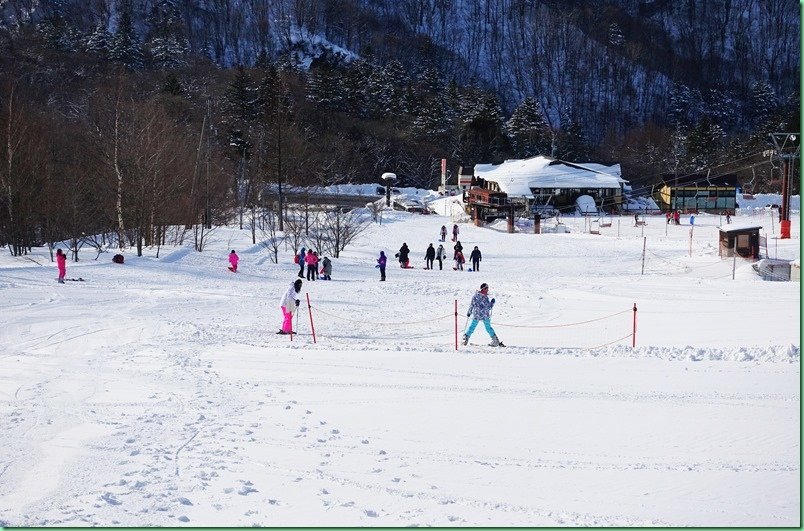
{"x":233,"y":261}
{"x":441,"y":255}
{"x":326,"y":268}
{"x":443,"y":233}
{"x":429,"y":256}
{"x":289,"y":304}
{"x":455,"y":232}
{"x":480,"y":310}
{"x":61,"y":263}
{"x":300,"y":260}
{"x":475,"y":257}
{"x":692,"y":219}
{"x":381,"y":261}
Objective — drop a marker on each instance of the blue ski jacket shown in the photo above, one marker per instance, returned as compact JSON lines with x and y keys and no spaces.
{"x":480,"y":307}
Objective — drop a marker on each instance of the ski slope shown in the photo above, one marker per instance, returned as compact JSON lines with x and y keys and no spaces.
{"x":157,"y":393}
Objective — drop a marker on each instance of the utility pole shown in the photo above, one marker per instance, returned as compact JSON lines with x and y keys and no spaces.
{"x":788,"y":148}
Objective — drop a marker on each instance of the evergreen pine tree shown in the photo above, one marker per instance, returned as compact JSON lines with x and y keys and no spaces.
{"x":528,"y":130}
{"x":166,"y":42}
{"x":55,"y":30}
{"x":762,"y":103}
{"x":126,"y":47}
{"x":99,"y":41}
{"x":616,"y":37}
{"x":571,"y":140}
{"x":703,"y":143}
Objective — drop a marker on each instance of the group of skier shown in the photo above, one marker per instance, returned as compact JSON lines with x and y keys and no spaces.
{"x":311,"y":260}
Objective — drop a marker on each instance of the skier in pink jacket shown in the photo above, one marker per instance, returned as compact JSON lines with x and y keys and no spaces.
{"x":61,"y":263}
{"x":233,"y":260}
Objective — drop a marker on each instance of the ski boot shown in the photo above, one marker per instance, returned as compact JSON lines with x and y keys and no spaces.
{"x":495,"y":342}
{"x":465,"y":339}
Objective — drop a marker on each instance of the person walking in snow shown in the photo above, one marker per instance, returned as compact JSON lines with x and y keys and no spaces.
{"x":475,"y":257}
{"x":403,"y":255}
{"x":300,"y":259}
{"x":429,"y":256}
{"x":441,"y":255}
{"x":289,"y":305}
{"x":381,"y":261}
{"x":457,"y":248}
{"x":677,"y":217}
{"x":480,"y":310}
{"x":326,"y":268}
{"x":459,"y":261}
{"x":61,"y":264}
{"x":443,"y":233}
{"x":455,"y":232}
{"x":233,"y":261}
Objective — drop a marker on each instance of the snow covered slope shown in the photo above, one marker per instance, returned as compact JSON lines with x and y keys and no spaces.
{"x":158,"y":393}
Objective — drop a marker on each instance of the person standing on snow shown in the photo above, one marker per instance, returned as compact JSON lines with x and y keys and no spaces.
{"x":475,"y":257}
{"x":289,"y":304}
{"x":326,"y":268}
{"x":61,"y":263}
{"x":381,"y":261}
{"x":233,"y":260}
{"x":429,"y":256}
{"x":455,"y":232}
{"x":301,"y":256}
{"x":458,"y":248}
{"x":443,"y":233}
{"x":480,"y":310}
{"x":441,"y":255}
{"x":311,"y":261}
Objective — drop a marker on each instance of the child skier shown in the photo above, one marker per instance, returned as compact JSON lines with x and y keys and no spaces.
{"x":233,"y":260}
{"x":289,"y":304}
{"x":61,"y":263}
{"x":480,"y":310}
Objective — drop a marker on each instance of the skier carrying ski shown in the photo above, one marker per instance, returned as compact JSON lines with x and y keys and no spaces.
{"x":429,"y":256}
{"x":289,"y":304}
{"x":480,"y":310}
{"x":61,"y":263}
{"x":475,"y":257}
{"x":233,"y":260}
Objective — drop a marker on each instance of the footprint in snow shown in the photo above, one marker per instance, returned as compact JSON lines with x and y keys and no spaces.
{"x":372,"y":514}
{"x":184,"y":501}
{"x":110,"y":499}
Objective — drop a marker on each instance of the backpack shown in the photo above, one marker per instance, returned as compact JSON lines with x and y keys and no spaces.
{"x":296,"y":259}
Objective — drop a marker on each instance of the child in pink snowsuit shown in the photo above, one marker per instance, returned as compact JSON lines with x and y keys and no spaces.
{"x":61,"y":263}
{"x":233,"y":260}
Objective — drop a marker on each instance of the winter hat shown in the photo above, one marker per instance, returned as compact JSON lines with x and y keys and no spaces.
{"x":298,"y":285}
{"x":484,"y":286}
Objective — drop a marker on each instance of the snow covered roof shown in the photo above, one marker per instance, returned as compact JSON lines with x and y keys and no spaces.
{"x":738,"y":227}
{"x":518,"y":177}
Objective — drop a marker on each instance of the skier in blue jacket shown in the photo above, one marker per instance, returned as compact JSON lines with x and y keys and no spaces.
{"x":480,"y":310}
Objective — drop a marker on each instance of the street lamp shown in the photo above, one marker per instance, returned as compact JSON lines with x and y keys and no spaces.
{"x":389,"y":178}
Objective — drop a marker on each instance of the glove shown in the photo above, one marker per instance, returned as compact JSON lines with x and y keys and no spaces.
{"x":493,"y":301}
{"x":297,"y":303}
{"x":469,"y":314}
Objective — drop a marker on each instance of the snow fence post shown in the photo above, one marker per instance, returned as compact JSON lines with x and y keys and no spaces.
{"x":456,"y":324}
{"x":633,"y":333}
{"x":310,"y":310}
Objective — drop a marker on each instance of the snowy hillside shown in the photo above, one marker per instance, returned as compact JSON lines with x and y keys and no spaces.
{"x":157,"y":392}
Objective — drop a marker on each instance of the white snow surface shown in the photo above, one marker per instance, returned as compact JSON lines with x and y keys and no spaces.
{"x":157,"y":393}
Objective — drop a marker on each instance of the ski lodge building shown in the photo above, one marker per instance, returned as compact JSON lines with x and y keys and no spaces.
{"x":538,"y":182}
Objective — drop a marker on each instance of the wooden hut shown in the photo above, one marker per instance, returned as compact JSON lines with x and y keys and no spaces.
{"x":745,"y":241}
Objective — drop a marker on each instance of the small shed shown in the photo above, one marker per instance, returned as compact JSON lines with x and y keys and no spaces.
{"x":744,"y":240}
